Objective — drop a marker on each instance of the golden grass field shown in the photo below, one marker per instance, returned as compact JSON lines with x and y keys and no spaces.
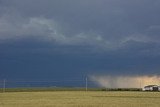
{"x":80,"y":99}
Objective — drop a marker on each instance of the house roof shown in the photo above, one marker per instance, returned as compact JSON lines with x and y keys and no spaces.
{"x":151,"y":86}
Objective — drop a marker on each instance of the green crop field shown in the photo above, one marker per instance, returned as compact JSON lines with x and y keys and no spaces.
{"x":80,"y":99}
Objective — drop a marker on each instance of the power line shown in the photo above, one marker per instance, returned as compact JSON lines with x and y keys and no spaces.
{"x":46,"y":81}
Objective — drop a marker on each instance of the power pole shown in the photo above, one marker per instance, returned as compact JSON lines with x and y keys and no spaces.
{"x":140,"y":83}
{"x":86,"y":84}
{"x":4,"y":86}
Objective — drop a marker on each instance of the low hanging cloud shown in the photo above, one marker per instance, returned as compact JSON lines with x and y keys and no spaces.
{"x":17,"y":27}
{"x":20,"y":27}
{"x":50,"y":30}
{"x":102,"y":25}
{"x":125,"y":81}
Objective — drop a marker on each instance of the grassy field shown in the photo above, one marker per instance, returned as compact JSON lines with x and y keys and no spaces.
{"x":80,"y":99}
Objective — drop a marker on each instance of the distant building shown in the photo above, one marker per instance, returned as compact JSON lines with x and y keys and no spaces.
{"x":151,"y":88}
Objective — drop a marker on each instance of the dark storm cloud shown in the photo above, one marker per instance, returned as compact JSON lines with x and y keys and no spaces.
{"x":111,"y":22}
{"x":100,"y":36}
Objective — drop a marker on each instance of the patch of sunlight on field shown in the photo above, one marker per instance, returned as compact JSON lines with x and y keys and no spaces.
{"x":80,"y":99}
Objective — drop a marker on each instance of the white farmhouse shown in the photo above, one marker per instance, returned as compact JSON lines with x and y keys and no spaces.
{"x":158,"y":88}
{"x":151,"y":88}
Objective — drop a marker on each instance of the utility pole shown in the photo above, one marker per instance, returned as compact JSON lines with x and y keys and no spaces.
{"x":4,"y":86}
{"x":140,"y":83}
{"x":86,"y":84}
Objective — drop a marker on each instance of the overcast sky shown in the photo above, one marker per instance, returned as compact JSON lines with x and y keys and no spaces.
{"x":51,"y":39}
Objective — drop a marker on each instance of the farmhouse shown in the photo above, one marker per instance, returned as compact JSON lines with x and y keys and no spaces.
{"x":151,"y":88}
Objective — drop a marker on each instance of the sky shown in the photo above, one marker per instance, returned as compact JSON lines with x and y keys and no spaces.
{"x":71,"y":39}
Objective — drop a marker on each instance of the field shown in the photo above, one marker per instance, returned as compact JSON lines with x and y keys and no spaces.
{"x":80,"y":99}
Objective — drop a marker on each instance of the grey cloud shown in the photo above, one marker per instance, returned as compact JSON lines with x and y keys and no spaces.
{"x":20,"y":27}
{"x":105,"y":37}
{"x":103,"y":24}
